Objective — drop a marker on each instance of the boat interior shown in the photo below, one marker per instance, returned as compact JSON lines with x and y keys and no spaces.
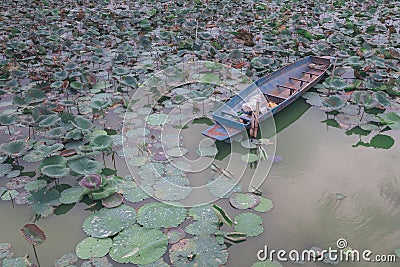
{"x":272,"y":90}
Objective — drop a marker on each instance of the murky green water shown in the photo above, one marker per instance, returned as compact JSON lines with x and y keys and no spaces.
{"x":318,"y":163}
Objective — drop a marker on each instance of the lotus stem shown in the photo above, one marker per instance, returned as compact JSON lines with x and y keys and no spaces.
{"x":12,"y":200}
{"x":36,"y":256}
{"x":8,"y":128}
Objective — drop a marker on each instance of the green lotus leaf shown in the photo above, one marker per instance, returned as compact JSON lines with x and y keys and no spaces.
{"x":157,"y":215}
{"x":76,"y":85}
{"x":97,"y":262}
{"x":91,"y":247}
{"x":5,"y":168}
{"x":119,"y":71}
{"x":313,"y":98}
{"x":85,"y":166}
{"x":267,"y":263}
{"x":156,"y":119}
{"x":137,"y":161}
{"x":168,"y":191}
{"x":55,"y":171}
{"x":108,"y":222}
{"x":101,"y":142}
{"x":334,"y":102}
{"x":383,"y":99}
{"x":35,"y":185}
{"x":103,"y":192}
{"x":392,"y":119}
{"x":112,"y":201}
{"x":235,"y":237}
{"x":53,"y":160}
{"x":264,"y":205}
{"x":66,"y":260}
{"x":14,"y":148}
{"x":82,"y":123}
{"x":199,"y":251}
{"x":16,"y":262}
{"x":5,"y":250}
{"x":34,"y":156}
{"x":135,"y":195}
{"x":174,"y":234}
{"x":49,"y":120}
{"x":203,"y":213}
{"x":33,"y":234}
{"x":223,"y":187}
{"x":44,"y":201}
{"x":9,"y":195}
{"x":139,"y":245}
{"x":244,"y":200}
{"x":60,"y":75}
{"x":48,"y":150}
{"x":354,"y":61}
{"x":72,"y":195}
{"x":248,"y":223}
{"x":8,"y":119}
{"x":201,"y":228}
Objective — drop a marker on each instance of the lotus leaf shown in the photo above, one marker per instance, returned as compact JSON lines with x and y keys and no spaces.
{"x":139,"y":245}
{"x":244,"y":200}
{"x":108,"y":222}
{"x":91,"y":247}
{"x":72,"y":195}
{"x":199,"y":251}
{"x":14,"y":148}
{"x":207,"y":151}
{"x":248,"y":223}
{"x":5,"y":168}
{"x":66,"y":260}
{"x":177,"y":152}
{"x":85,"y":166}
{"x":112,"y":201}
{"x":55,"y":171}
{"x":156,"y":119}
{"x":166,"y":190}
{"x":33,"y":234}
{"x":201,"y":228}
{"x":267,"y":263}
{"x":264,"y":205}
{"x":174,"y":234}
{"x":44,"y":201}
{"x":157,"y":215}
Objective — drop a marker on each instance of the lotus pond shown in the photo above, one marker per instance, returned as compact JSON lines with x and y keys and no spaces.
{"x":102,"y":162}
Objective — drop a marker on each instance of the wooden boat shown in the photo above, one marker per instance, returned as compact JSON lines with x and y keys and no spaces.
{"x":270,"y":93}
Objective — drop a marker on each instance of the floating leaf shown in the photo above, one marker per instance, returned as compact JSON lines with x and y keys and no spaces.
{"x":266,"y":263}
{"x":249,"y":158}
{"x":66,"y":260}
{"x":76,"y":85}
{"x":139,"y":245}
{"x":235,"y":237}
{"x":334,"y":102}
{"x":55,"y":171}
{"x":137,"y":161}
{"x":168,"y":191}
{"x":72,"y":195}
{"x":44,"y":201}
{"x":93,"y":247}
{"x":249,"y":144}
{"x":112,"y":201}
{"x":14,"y":148}
{"x":33,"y":234}
{"x":248,"y":223}
{"x":244,"y":200}
{"x":101,"y":142}
{"x":223,"y":187}
{"x":85,"y":166}
{"x":201,"y":228}
{"x":108,"y":222}
{"x":264,"y":205}
{"x":5,"y":251}
{"x":174,"y":234}
{"x":5,"y":168}
{"x":157,"y":215}
{"x":199,"y":251}
{"x":91,"y":181}
{"x":156,"y":119}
